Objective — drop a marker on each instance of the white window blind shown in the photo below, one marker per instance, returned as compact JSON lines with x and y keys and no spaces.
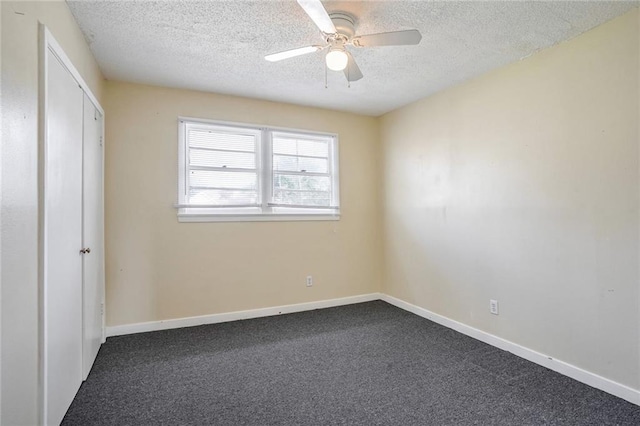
{"x":222,"y":166}
{"x":234,"y":170}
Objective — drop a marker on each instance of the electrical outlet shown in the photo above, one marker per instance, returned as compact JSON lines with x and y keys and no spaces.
{"x":493,"y":307}
{"x":309,"y":280}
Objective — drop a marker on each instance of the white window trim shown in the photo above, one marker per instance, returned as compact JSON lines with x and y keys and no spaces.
{"x":265,"y":212}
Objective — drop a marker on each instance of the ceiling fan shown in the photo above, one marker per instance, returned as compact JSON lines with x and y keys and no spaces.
{"x":338,"y":32}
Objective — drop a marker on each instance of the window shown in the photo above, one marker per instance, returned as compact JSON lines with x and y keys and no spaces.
{"x":234,"y":172}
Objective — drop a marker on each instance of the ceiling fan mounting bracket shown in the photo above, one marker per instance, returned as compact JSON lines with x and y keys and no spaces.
{"x":344,"y":23}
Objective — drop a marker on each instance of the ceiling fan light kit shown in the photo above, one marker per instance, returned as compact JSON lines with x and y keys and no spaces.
{"x":338,"y":32}
{"x":336,"y":59}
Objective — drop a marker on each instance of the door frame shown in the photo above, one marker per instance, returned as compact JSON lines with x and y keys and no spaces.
{"x":95,"y":112}
{"x":47,"y":43}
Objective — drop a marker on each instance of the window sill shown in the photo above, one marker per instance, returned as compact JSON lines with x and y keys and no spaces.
{"x":263,"y":217}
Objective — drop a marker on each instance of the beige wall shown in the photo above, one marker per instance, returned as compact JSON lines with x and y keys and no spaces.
{"x":157,"y":268}
{"x":19,"y":309}
{"x":522,"y":186}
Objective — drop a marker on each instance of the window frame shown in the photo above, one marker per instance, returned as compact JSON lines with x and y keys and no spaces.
{"x":265,"y":211}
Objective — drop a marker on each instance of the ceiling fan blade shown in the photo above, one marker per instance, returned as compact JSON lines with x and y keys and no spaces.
{"x":274,"y":57}
{"x":318,"y":15}
{"x":394,"y":38}
{"x":352,"y":71}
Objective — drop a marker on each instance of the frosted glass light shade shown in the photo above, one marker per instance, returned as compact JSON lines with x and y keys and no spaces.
{"x":337,"y":60}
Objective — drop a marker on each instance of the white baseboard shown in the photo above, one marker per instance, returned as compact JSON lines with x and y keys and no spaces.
{"x":143,"y":327}
{"x":586,"y":377}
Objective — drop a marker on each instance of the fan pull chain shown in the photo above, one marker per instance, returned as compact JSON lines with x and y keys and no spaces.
{"x":325,"y":77}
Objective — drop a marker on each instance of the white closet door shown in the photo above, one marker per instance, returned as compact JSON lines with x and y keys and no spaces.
{"x":62,"y":240}
{"x":92,"y":234}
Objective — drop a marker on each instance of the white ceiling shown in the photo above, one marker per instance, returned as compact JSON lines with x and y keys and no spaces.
{"x":219,"y":46}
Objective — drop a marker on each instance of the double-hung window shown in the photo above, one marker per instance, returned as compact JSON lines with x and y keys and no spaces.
{"x":234,"y":172}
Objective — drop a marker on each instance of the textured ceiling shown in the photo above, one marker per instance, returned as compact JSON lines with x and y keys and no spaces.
{"x":219,"y":46}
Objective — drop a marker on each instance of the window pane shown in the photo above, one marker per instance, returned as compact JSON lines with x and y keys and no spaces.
{"x":214,"y":139}
{"x":314,"y":148}
{"x":301,"y":198}
{"x":299,"y":164}
{"x":227,"y":180}
{"x":222,"y":197}
{"x":313,"y":165}
{"x":235,"y":160}
{"x":293,"y":146}
{"x":285,"y":146}
{"x":306,"y":183}
{"x":289,"y":164}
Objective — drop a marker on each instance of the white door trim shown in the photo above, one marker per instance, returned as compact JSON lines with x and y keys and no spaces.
{"x":48,"y":43}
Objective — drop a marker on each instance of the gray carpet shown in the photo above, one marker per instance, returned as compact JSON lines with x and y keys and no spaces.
{"x":364,"y":364}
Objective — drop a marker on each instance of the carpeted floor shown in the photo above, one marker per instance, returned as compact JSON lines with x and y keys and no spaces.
{"x":364,"y":364}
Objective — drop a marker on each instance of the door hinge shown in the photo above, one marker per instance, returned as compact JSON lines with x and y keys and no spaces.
{"x":102,"y":309}
{"x":100,"y":140}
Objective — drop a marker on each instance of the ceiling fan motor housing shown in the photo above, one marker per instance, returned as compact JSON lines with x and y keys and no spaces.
{"x":344,"y":23}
